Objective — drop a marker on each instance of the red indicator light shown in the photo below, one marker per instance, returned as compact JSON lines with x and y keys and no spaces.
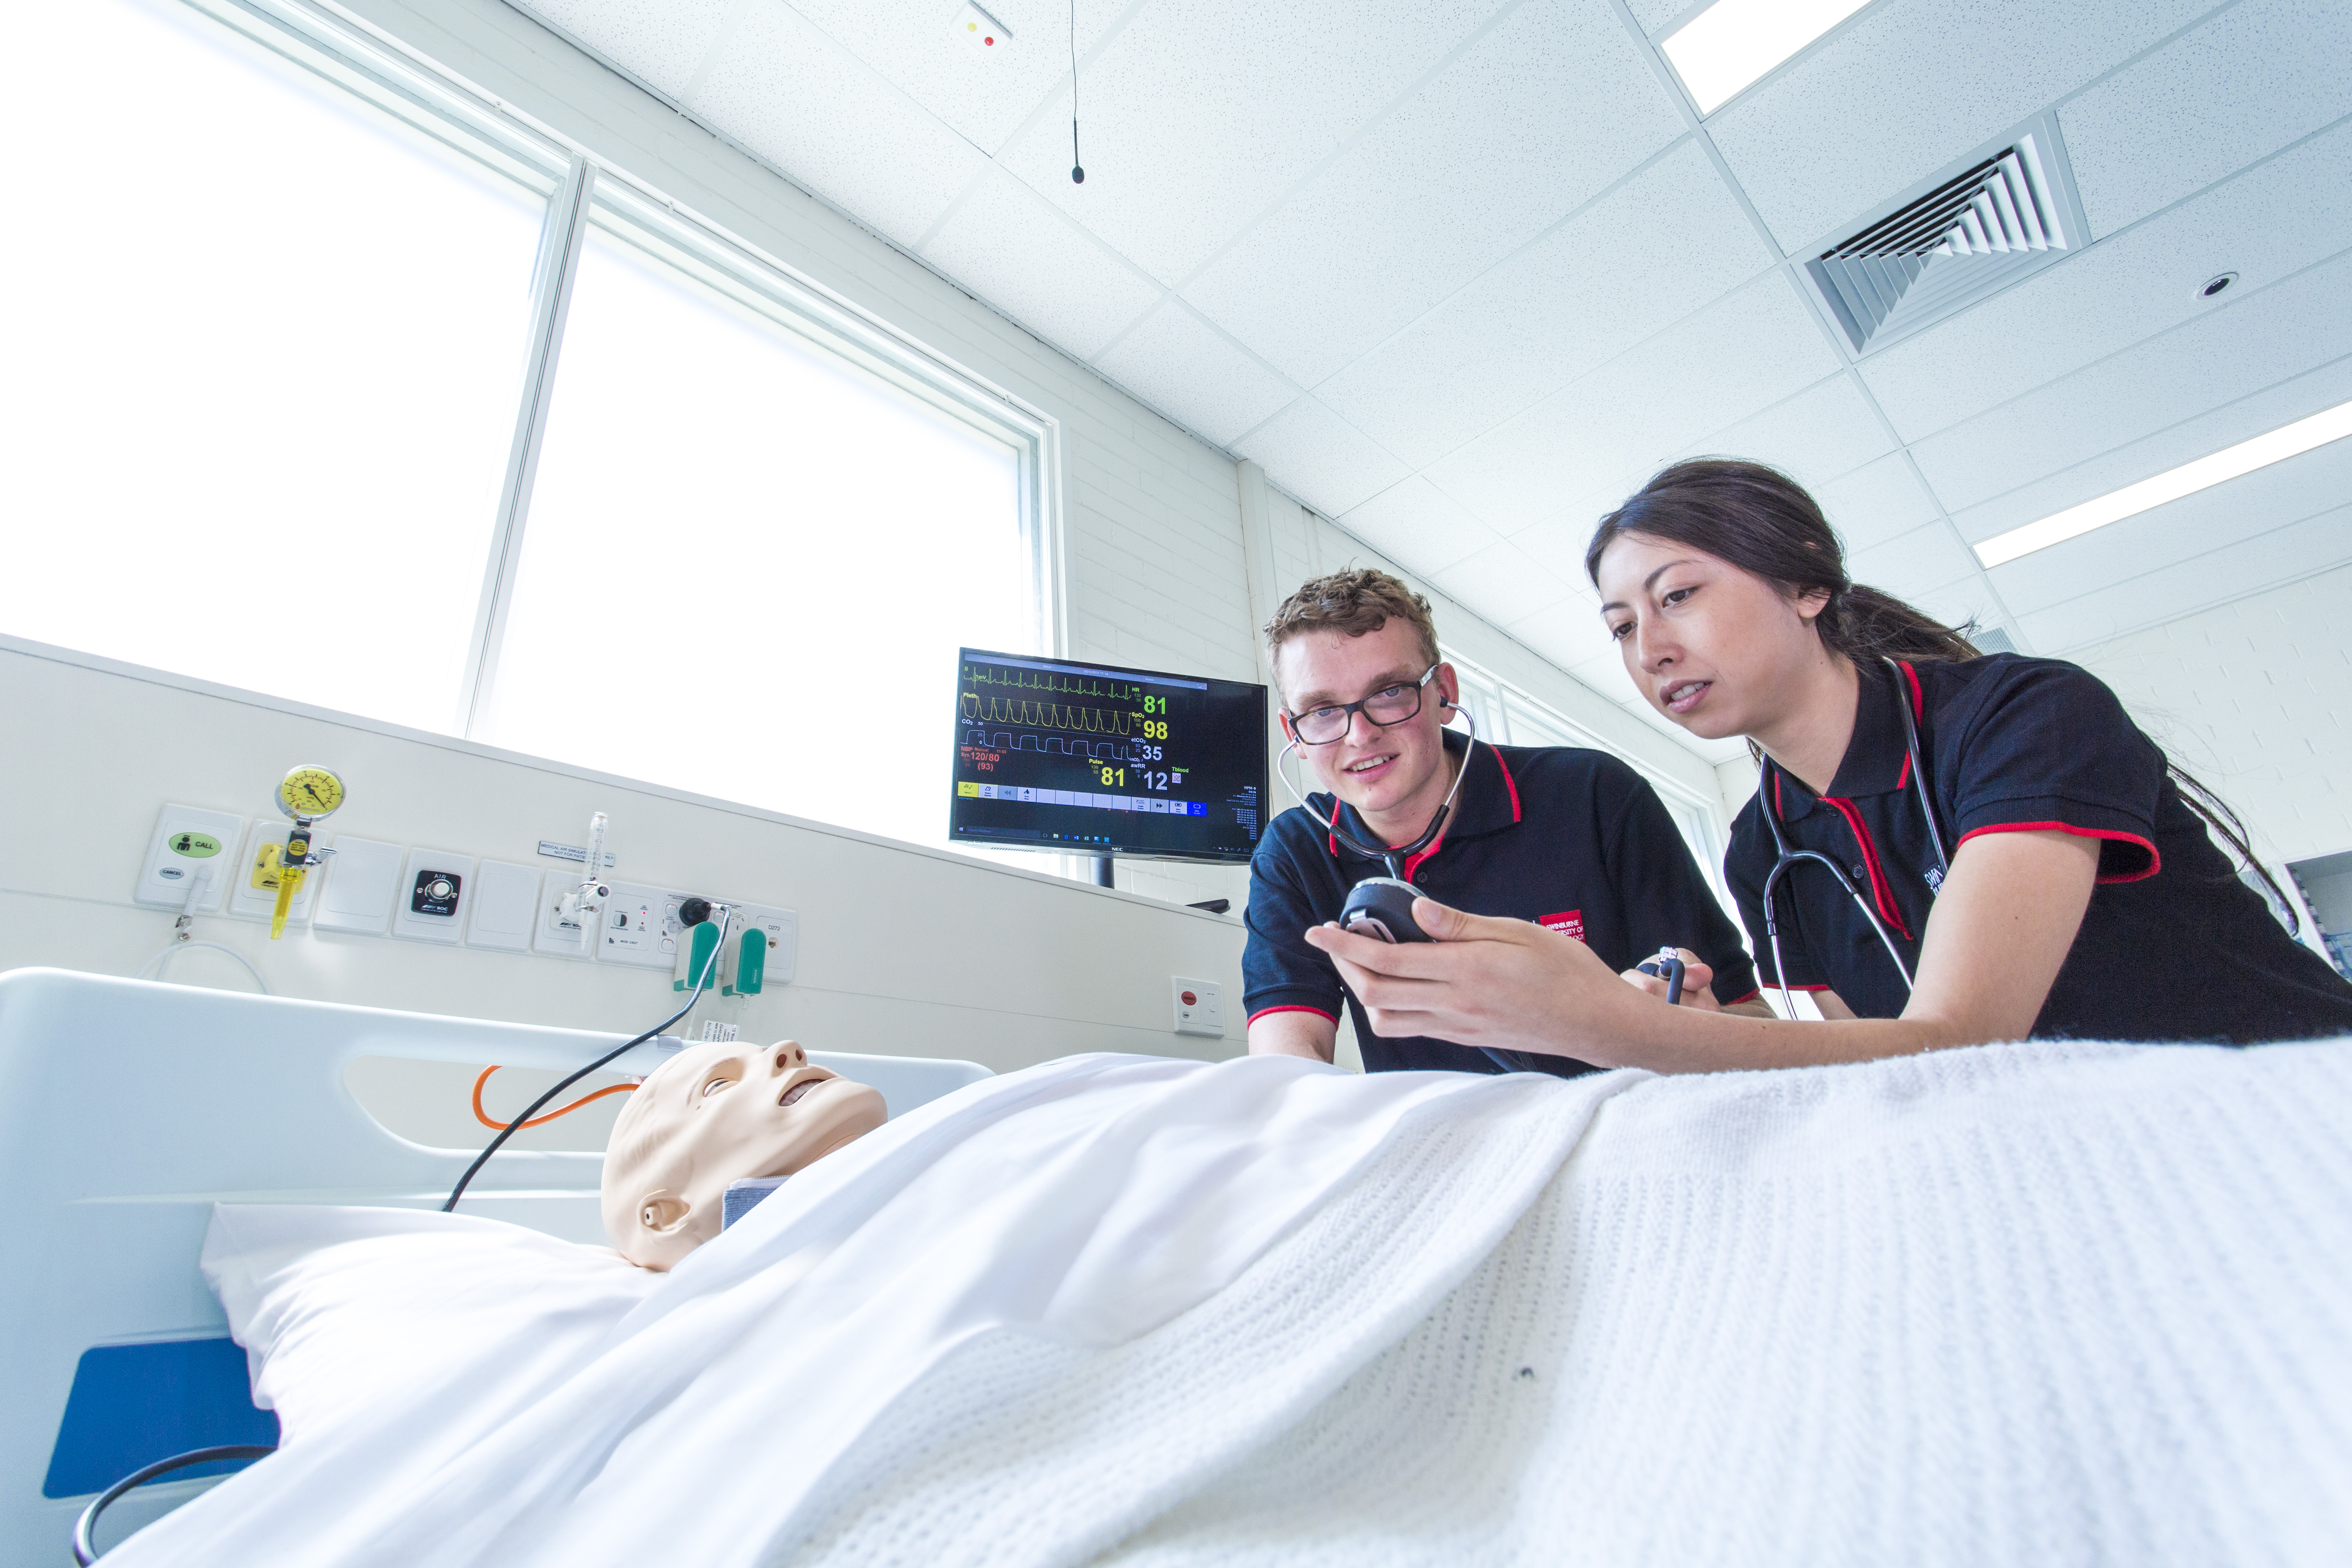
{"x":990,"y":42}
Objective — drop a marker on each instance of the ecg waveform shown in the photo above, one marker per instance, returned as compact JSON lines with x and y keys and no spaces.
{"x":1045,"y":680}
{"x":978,"y":709}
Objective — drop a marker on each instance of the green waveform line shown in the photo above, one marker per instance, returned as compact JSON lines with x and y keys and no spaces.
{"x":1045,"y":680}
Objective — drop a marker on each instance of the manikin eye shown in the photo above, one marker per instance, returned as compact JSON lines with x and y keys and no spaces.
{"x":715,"y":1085}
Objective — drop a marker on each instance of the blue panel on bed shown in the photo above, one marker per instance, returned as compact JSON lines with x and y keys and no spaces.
{"x":134,"y":1404}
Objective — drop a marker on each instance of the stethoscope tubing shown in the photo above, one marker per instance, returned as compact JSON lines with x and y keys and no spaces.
{"x":1387,"y":854}
{"x":1785,"y":859}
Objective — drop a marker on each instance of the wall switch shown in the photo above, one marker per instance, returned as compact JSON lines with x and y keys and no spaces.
{"x":640,"y":926}
{"x":502,"y":906}
{"x":253,"y":881}
{"x":189,"y":841}
{"x":549,"y":933}
{"x":1200,"y":1006}
{"x":362,"y":877}
{"x":435,"y":891}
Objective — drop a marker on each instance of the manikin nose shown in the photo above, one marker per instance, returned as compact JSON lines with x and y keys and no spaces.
{"x":790,"y":1058}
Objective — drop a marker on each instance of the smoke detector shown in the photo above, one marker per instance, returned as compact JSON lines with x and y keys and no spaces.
{"x":2003,"y":213}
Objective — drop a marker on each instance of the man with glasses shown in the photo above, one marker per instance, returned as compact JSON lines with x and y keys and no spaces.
{"x":1569,"y":839}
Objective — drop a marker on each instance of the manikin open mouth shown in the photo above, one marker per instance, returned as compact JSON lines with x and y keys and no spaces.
{"x":799,"y":1089}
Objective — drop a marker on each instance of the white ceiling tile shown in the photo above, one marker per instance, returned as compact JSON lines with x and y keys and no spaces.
{"x":1178,"y":363}
{"x":2227,"y":514}
{"x":2168,"y":448}
{"x":1606,"y":673}
{"x":1740,"y":355}
{"x":1659,"y":246}
{"x":1501,"y":584}
{"x":1878,"y":503}
{"x":2249,"y":81}
{"x":1568,"y":632}
{"x":982,"y":92}
{"x":1019,"y":253}
{"x":1825,"y":431}
{"x":2265,"y":224}
{"x":1200,"y":113}
{"x":1557,"y":544}
{"x":1483,"y":159}
{"x":1910,"y":87}
{"x":2185,"y":586}
{"x":1915,"y":565}
{"x":659,"y":42}
{"x":2075,"y":437}
{"x":1321,"y":458}
{"x":1968,"y":600}
{"x":787,"y":92}
{"x":1419,"y":527}
{"x":1653,"y":15}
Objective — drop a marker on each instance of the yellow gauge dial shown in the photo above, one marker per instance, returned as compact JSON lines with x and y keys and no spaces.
{"x":310,"y":792}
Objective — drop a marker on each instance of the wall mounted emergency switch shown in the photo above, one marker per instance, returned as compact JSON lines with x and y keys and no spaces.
{"x":1200,"y":1006}
{"x":189,"y":839}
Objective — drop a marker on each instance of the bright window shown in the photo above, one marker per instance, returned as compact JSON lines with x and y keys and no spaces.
{"x":749,"y":564}
{"x":259,"y":366}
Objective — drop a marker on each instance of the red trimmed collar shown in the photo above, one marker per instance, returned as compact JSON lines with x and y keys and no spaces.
{"x":1488,"y":802}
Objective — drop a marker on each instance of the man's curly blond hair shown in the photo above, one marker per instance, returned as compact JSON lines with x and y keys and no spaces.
{"x":1362,"y":599}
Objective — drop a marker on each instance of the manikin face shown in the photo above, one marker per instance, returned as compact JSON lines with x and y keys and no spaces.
{"x":1712,"y":647}
{"x":1374,"y":770}
{"x":715,"y":1113}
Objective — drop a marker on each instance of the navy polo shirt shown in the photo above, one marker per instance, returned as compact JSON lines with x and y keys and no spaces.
{"x":2173,"y":946}
{"x":1569,"y":838}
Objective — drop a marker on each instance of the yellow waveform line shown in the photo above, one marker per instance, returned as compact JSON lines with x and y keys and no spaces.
{"x":978,"y":709}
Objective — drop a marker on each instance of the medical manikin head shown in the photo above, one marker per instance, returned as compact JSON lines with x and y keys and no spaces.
{"x":712,"y":1114}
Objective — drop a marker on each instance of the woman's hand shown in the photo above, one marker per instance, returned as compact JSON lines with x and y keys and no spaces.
{"x":1485,"y":982}
{"x":1698,"y":982}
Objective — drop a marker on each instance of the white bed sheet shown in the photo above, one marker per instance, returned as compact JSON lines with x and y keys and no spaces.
{"x":2046,"y":1303}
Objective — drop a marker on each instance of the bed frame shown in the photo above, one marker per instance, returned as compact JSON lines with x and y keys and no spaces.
{"x":127,"y":1109}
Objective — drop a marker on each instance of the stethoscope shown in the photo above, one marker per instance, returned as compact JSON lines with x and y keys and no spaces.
{"x":1391,"y":855}
{"x":1787,"y":858}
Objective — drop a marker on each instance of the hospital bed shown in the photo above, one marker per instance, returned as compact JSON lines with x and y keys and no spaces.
{"x":127,"y":1109}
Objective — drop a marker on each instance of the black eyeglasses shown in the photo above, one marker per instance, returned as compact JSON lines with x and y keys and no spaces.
{"x":1389,"y":705}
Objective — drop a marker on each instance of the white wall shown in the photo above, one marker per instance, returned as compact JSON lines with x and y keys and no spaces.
{"x":2255,"y":699}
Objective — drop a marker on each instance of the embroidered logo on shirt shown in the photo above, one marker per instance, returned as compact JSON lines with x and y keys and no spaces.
{"x":1571,"y":922}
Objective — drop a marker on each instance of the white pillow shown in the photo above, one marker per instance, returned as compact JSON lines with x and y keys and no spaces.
{"x":346,"y":1309}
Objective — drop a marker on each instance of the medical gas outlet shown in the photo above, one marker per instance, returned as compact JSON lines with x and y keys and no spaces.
{"x":306,"y":793}
{"x":761,"y":947}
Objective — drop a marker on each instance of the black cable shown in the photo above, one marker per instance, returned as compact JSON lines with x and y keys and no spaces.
{"x":84,"y":1533}
{"x":725,"y":915}
{"x":1077,"y":170}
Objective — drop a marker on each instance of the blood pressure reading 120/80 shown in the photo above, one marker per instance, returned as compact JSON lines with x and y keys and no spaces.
{"x":1091,"y":759}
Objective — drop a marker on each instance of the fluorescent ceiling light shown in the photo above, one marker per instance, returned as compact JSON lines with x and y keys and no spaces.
{"x":2286,"y":441}
{"x":1731,"y":43}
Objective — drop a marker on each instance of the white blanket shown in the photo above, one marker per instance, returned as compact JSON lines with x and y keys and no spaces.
{"x":2040,"y":1303}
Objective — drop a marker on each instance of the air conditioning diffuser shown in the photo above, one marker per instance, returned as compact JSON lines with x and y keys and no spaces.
{"x":2007,"y":211}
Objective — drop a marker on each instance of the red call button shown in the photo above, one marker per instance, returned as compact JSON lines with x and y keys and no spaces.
{"x":1191,"y":1000}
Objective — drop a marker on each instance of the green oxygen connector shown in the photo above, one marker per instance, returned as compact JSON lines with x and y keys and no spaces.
{"x":701,"y":953}
{"x":751,"y":965}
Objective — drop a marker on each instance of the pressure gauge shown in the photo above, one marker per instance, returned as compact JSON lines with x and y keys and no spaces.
{"x":309,"y":791}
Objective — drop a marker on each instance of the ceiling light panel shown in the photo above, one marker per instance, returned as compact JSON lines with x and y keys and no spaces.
{"x":1733,"y":43}
{"x":2319,"y":429}
{"x":1909,"y":87}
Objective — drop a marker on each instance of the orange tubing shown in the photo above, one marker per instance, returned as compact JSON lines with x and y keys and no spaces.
{"x":480,"y":1116}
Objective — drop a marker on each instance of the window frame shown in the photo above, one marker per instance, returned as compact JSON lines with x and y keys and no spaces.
{"x":581,"y":188}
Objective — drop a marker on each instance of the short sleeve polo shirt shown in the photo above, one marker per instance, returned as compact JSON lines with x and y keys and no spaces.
{"x":2173,"y":945}
{"x":1567,"y":837}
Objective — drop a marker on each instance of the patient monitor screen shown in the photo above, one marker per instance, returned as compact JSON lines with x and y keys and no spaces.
{"x":1093,"y":759}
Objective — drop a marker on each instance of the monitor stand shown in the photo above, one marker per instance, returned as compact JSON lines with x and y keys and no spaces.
{"x":1102,"y":872}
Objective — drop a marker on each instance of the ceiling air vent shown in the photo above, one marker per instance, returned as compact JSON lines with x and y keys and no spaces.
{"x":1992,"y":639}
{"x":2006,"y":211}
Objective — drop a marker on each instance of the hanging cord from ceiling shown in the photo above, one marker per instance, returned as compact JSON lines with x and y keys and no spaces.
{"x":1077,"y":170}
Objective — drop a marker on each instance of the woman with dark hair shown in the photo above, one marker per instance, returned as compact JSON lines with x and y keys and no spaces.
{"x":1944,"y":848}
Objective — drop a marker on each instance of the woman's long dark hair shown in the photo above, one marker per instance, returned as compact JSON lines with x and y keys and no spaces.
{"x":1761,"y":521}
